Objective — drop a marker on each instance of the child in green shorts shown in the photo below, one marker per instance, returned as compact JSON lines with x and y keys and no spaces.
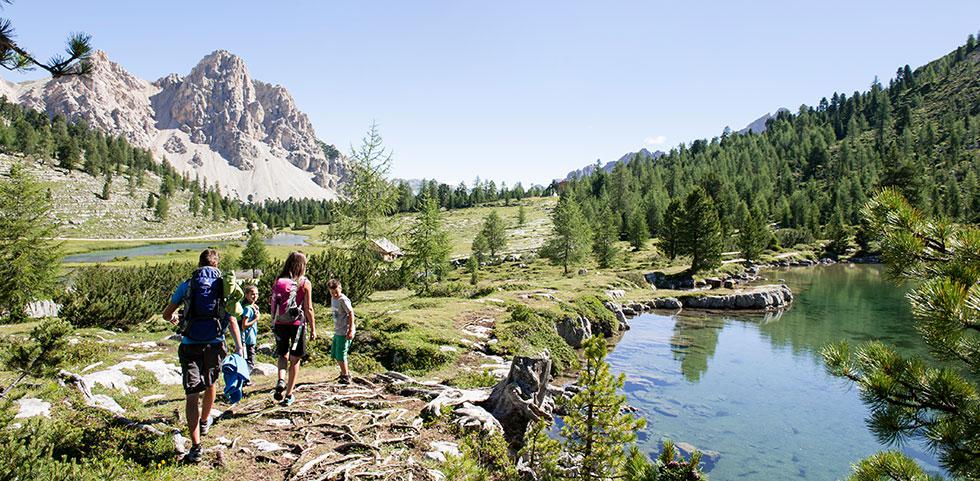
{"x":343,"y":328}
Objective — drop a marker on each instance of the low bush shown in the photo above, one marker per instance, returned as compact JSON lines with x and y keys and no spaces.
{"x":527,"y":332}
{"x":636,"y":278}
{"x":448,"y":289}
{"x":792,"y":237}
{"x":470,"y":379}
{"x":400,"y":346}
{"x":119,"y":297}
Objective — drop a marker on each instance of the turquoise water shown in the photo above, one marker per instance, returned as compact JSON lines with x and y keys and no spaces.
{"x":105,"y":255}
{"x":754,"y":389}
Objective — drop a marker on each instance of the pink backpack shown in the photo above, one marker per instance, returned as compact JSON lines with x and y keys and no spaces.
{"x":287,"y":301}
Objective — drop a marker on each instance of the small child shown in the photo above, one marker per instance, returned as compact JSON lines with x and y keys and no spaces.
{"x":343,"y":328}
{"x":248,"y":323}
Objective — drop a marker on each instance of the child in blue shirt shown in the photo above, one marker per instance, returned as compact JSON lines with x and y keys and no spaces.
{"x":249,"y":323}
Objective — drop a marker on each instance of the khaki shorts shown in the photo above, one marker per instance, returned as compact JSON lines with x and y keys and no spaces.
{"x":200,"y":365}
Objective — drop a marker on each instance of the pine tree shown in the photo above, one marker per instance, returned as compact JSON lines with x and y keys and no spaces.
{"x":753,"y":236}
{"x":671,"y":232}
{"x":370,"y":196}
{"x":911,"y":397}
{"x":254,"y":255}
{"x":479,"y":250}
{"x":605,"y":235}
{"x":39,"y":357}
{"x":29,"y":260}
{"x":637,"y":231}
{"x":162,"y":209}
{"x":596,"y":428}
{"x":521,"y":216}
{"x":494,"y":233}
{"x":195,"y":204}
{"x":107,"y":186}
{"x":701,"y":231}
{"x":429,"y":245}
{"x":570,"y":238}
{"x":151,"y":200}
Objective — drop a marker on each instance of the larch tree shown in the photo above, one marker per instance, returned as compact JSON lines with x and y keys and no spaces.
{"x":429,"y":245}
{"x":912,"y":398}
{"x":370,"y":196}
{"x":570,"y":237}
{"x":637,"y":230}
{"x":29,"y":259}
{"x":494,"y":233}
{"x":254,"y":255}
{"x":753,"y":236}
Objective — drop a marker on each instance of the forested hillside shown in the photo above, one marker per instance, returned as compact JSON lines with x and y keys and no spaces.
{"x":920,"y":134}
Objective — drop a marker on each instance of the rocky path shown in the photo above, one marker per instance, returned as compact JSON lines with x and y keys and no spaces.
{"x":362,"y":431}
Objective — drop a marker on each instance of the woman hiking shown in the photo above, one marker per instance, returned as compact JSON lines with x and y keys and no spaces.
{"x":292,"y":316}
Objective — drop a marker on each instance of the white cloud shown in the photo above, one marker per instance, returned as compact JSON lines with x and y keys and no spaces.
{"x":655,"y":140}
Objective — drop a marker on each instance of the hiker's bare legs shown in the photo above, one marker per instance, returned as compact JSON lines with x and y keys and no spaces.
{"x":192,"y":410}
{"x":207,"y":401}
{"x":293,"y":372}
{"x":282,"y":363}
{"x":343,"y":368}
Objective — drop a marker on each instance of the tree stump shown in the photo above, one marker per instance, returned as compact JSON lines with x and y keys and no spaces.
{"x":522,"y":397}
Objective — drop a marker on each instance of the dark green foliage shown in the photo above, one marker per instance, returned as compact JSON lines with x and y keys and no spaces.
{"x":919,"y":134}
{"x":41,"y":355}
{"x":120,"y":297}
{"x":671,"y":232}
{"x":528,"y":331}
{"x":792,"y":237}
{"x":911,"y":397}
{"x":357,"y":268}
{"x":28,"y":258}
{"x":672,"y":467}
{"x":753,"y":236}
{"x":596,"y":429}
{"x":839,"y":237}
{"x":637,"y":231}
{"x":605,"y":234}
{"x":370,"y":196}
{"x":484,"y":457}
{"x":701,"y":231}
{"x":570,"y":237}
{"x":521,"y":216}
{"x":254,"y":255}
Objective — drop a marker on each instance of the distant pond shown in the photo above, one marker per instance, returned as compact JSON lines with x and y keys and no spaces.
{"x":106,"y":255}
{"x":754,"y":389}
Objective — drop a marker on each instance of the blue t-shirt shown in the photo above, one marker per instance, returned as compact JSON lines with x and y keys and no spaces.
{"x":178,"y":297}
{"x":250,"y":333}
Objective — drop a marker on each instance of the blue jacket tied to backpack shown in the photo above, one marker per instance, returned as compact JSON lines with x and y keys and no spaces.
{"x":236,"y":374}
{"x":204,"y":306}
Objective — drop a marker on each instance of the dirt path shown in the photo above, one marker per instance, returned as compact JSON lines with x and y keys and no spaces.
{"x":155,"y":239}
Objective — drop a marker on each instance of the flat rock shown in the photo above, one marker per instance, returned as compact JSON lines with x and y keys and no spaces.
{"x":31,"y":407}
{"x":264,"y":369}
{"x":266,"y":446}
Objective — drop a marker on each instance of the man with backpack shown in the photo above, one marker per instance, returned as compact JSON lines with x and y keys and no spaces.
{"x":202,"y":345}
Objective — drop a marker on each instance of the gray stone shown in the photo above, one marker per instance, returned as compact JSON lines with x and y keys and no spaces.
{"x":574,"y":330}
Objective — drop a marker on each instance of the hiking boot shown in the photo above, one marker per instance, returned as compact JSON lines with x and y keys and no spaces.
{"x":288,"y":401}
{"x":345,"y":380}
{"x":205,"y":426}
{"x":280,"y":387}
{"x":194,"y":455}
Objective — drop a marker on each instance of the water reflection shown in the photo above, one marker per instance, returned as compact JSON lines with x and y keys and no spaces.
{"x":754,"y":388}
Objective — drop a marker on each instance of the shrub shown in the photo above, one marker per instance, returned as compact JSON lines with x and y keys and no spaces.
{"x":120,"y":297}
{"x":400,"y":346}
{"x":636,"y":278}
{"x":470,"y":379}
{"x":527,"y":331}
{"x":448,"y":289}
{"x":362,"y":364}
{"x":793,"y":237}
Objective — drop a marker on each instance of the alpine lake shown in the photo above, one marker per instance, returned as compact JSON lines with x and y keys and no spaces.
{"x":753,"y":389}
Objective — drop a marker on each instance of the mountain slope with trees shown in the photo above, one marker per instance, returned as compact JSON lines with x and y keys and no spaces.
{"x":919,"y":134}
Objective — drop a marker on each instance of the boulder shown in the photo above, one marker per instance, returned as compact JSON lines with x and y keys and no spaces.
{"x":729,"y":284}
{"x":714,"y":282}
{"x":264,"y":369}
{"x":583,"y":271}
{"x":574,"y":330}
{"x":667,"y":303}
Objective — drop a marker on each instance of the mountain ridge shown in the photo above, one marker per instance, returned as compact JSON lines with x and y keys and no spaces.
{"x":217,"y":123}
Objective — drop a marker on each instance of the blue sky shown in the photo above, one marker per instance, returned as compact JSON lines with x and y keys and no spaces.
{"x":520,"y":90}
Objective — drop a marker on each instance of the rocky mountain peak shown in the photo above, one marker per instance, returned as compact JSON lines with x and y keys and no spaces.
{"x":213,"y":119}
